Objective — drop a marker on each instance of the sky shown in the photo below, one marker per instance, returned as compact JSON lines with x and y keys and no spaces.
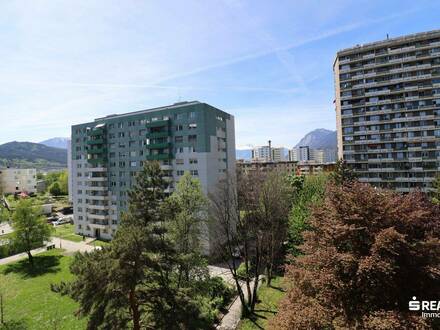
{"x":268,"y":63}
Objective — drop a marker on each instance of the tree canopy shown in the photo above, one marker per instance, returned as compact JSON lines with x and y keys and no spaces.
{"x":367,"y":253}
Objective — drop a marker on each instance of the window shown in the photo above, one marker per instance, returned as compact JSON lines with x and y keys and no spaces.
{"x":192,"y":138}
{"x":194,"y":172}
{"x":179,"y":161}
{"x":179,"y":127}
{"x":133,"y":164}
{"x":180,"y":172}
{"x":193,"y":161}
{"x":192,"y":126}
{"x":178,"y":139}
{"x":192,"y":115}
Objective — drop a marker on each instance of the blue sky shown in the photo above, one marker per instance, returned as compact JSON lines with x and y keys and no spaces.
{"x":269,"y":63}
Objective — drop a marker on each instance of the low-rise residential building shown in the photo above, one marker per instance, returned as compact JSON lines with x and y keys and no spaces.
{"x":18,"y":180}
{"x":107,"y":153}
{"x":291,"y":167}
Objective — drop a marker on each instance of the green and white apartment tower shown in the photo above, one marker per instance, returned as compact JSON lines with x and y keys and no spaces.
{"x":108,"y":152}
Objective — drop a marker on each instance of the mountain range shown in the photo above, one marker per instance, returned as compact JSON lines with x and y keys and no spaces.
{"x":29,"y":154}
{"x":52,"y":153}
{"x":56,"y":142}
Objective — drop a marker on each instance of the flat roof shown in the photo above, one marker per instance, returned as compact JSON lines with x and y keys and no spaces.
{"x":401,"y":39}
{"x":172,"y":106}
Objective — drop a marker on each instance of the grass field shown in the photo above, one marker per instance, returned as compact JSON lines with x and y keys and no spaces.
{"x":27,"y":297}
{"x":67,"y":232}
{"x":267,"y":307}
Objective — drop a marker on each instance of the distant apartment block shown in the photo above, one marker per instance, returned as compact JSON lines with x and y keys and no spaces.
{"x":304,"y":154}
{"x":107,"y":154}
{"x":268,"y":154}
{"x":388,"y":110}
{"x":17,"y":180}
{"x":291,"y":167}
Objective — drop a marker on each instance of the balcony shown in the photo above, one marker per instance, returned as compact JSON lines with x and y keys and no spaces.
{"x":97,"y":188}
{"x":95,"y":141}
{"x":159,"y":157}
{"x":98,"y":226}
{"x":161,"y":145}
{"x":97,"y":150}
{"x":155,"y":135}
{"x":158,"y":123}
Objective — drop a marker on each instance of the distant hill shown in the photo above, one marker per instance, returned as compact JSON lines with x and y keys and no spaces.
{"x":320,"y":138}
{"x":245,"y":154}
{"x":56,"y":142}
{"x":28,"y":154}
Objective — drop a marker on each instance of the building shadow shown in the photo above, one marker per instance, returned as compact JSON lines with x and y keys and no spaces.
{"x":42,"y":265}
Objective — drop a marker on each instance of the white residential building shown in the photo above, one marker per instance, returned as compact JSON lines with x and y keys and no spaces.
{"x":16,"y":180}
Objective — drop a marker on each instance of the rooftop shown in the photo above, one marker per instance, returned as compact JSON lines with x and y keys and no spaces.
{"x":172,"y":106}
{"x":402,"y":39}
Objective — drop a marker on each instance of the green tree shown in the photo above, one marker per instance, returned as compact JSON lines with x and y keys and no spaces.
{"x":134,"y":281}
{"x":435,"y":194}
{"x":30,"y":228}
{"x":187,"y":212}
{"x":55,"y":189}
{"x":63,"y":182}
{"x":343,"y":174}
{"x":308,"y":191}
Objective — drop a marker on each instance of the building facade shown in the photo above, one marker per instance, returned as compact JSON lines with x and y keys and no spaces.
{"x":290,"y":167}
{"x":268,"y":154}
{"x":388,"y":110}
{"x":17,"y":180}
{"x":304,"y":154}
{"x":108,"y":152}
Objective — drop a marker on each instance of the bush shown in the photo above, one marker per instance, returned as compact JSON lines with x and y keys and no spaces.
{"x":55,"y":189}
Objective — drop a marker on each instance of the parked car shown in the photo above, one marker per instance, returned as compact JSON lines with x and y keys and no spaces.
{"x":63,"y":221}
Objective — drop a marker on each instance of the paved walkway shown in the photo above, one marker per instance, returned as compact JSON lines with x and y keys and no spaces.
{"x":231,"y":319}
{"x":69,"y":247}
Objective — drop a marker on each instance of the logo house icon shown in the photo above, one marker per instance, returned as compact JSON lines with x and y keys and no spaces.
{"x":414,"y":304}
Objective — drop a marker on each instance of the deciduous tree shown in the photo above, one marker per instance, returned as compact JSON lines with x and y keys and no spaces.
{"x":30,"y":228}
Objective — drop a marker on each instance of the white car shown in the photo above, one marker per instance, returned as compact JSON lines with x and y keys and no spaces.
{"x":62,"y":221}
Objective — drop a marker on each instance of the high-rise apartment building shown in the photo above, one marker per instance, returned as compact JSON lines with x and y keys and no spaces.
{"x":388,"y":110}
{"x":108,"y":152}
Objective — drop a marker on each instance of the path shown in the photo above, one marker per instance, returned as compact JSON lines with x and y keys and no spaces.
{"x":231,"y":319}
{"x":69,"y":247}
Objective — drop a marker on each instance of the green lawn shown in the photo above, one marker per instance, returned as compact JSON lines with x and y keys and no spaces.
{"x":67,"y":231}
{"x":267,"y":307}
{"x":27,"y":296}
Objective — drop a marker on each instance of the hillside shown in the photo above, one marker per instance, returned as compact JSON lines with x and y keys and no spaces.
{"x":319,"y":139}
{"x":56,"y":142}
{"x":28,"y":154}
